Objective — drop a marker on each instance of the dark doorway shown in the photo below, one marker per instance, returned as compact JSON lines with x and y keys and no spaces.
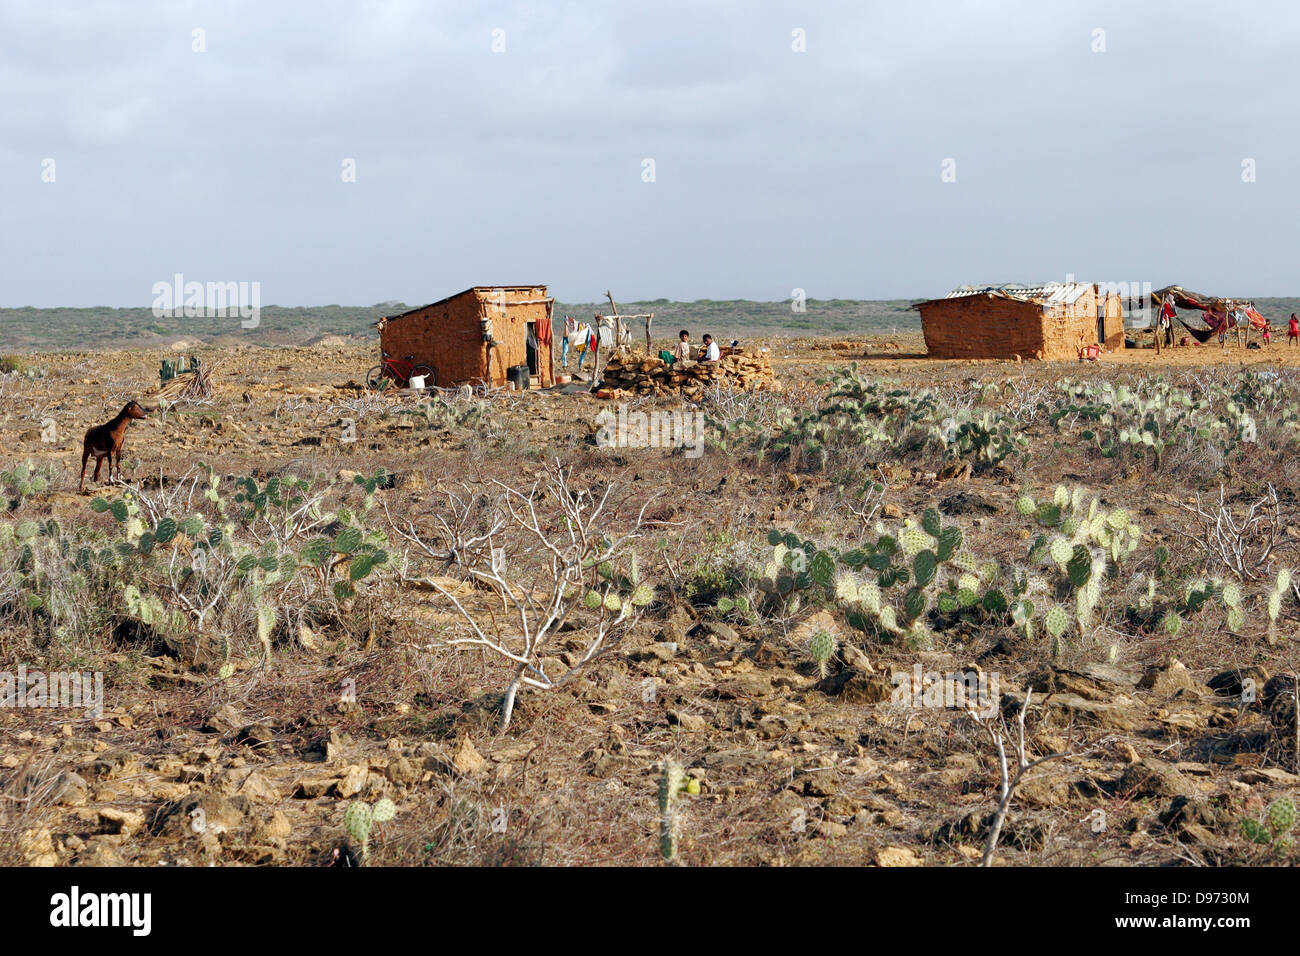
{"x":532,"y":349}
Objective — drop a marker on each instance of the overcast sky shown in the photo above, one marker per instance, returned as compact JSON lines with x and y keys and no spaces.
{"x":772,"y":169}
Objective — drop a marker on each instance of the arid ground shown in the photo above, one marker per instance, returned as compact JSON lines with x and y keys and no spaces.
{"x":306,"y":663}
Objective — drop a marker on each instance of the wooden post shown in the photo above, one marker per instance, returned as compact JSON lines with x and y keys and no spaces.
{"x":618,"y":321}
{"x":550,"y":327}
{"x":648,"y":319}
{"x":1159,"y":325}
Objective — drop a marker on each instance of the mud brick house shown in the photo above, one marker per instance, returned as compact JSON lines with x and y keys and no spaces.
{"x":476,"y":335}
{"x":1051,"y":321}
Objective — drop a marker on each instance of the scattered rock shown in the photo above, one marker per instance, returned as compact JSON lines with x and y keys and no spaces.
{"x":723,"y":632}
{"x":125,"y":822}
{"x":69,"y":789}
{"x":1045,"y":790}
{"x":37,"y":847}
{"x":1169,"y":679}
{"x":1112,"y":715}
{"x":205,"y":812}
{"x":897,"y":856}
{"x":117,"y":763}
{"x":222,"y":720}
{"x":1184,"y":811}
{"x":247,"y":782}
{"x":767,"y":654}
{"x":351,"y":781}
{"x":823,"y":783}
{"x":255,"y":735}
{"x":1151,"y":777}
{"x":1099,"y":682}
{"x":955,"y":471}
{"x":277,"y":827}
{"x":403,"y":772}
{"x":98,"y":854}
{"x":310,"y":788}
{"x":854,"y":657}
{"x":465,"y":760}
{"x":856,"y":687}
{"x":688,"y":723}
{"x":1269,"y":775}
{"x":829,"y":828}
{"x":660,"y":651}
{"x":744,"y":685}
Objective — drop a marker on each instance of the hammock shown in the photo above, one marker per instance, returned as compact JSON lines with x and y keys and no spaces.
{"x":1201,"y":335}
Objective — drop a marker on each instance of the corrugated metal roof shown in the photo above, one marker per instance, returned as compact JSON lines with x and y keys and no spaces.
{"x":1049,"y":293}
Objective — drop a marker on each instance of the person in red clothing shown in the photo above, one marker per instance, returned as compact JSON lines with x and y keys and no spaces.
{"x":1293,"y":330}
{"x":1167,"y":316}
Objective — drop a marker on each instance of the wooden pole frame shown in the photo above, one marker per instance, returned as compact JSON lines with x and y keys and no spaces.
{"x":550,"y":323}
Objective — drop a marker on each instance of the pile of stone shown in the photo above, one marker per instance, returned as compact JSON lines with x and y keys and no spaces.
{"x":629,"y":375}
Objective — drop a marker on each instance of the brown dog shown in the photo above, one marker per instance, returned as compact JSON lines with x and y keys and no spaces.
{"x":105,"y":441}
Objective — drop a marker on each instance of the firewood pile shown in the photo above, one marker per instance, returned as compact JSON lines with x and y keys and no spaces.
{"x":629,"y":375}
{"x":194,"y":385}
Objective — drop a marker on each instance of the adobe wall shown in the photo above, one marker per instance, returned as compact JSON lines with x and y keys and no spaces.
{"x":445,"y":337}
{"x":1067,"y":327}
{"x":511,"y":331}
{"x":982,"y":326}
{"x":1114,"y":322}
{"x":448,"y":336}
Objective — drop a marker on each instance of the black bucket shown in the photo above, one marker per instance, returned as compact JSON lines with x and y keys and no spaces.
{"x":519,"y":375}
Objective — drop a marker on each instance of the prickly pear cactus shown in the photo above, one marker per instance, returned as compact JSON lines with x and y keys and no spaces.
{"x":1281,"y":815}
{"x":1057,"y":621}
{"x":357,"y":820}
{"x":671,"y":783}
{"x":384,"y":810}
{"x":821,"y":648}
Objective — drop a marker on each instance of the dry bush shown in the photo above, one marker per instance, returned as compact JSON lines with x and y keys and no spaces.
{"x":1243,"y":544}
{"x":547,"y":555}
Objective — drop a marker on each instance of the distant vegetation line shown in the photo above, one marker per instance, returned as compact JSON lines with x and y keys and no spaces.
{"x":36,"y":330}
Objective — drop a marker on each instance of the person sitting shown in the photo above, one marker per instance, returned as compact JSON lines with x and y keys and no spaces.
{"x":682,"y":350}
{"x":709,"y":351}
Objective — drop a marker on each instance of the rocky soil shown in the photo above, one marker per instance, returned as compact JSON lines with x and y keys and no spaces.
{"x":1162,"y":756}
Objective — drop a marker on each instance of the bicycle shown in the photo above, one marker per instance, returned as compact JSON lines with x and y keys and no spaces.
{"x":398,"y":371}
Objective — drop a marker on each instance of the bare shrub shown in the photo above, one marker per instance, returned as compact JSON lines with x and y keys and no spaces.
{"x":561,"y":531}
{"x":1244,"y":545}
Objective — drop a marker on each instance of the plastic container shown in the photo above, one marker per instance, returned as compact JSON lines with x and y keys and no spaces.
{"x":518,"y":376}
{"x":417,"y":382}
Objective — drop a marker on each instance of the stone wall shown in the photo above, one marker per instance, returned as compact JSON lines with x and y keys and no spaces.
{"x":634,"y":374}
